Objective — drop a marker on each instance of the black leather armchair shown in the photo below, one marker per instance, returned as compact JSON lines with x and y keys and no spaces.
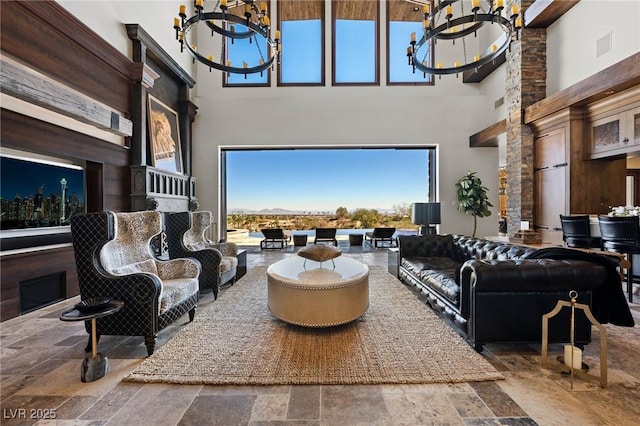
{"x":113,"y":259}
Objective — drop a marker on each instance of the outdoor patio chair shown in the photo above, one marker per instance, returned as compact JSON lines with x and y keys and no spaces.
{"x":381,"y":235}
{"x":274,"y":238}
{"x":326,"y":235}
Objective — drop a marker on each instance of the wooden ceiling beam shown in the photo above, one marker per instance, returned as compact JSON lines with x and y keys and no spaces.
{"x":488,"y":137}
{"x":543,"y":13}
{"x":619,"y":76}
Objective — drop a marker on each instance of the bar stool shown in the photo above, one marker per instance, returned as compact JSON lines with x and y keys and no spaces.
{"x":576,"y":232}
{"x":621,"y":234}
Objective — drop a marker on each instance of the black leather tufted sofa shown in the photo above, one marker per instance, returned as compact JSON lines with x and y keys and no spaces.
{"x":491,"y":293}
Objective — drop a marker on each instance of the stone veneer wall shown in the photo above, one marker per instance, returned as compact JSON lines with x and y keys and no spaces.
{"x":525,"y":84}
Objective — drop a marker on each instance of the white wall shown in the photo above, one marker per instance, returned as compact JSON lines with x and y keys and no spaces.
{"x":444,"y":115}
{"x":107,"y":18}
{"x":571,"y":40}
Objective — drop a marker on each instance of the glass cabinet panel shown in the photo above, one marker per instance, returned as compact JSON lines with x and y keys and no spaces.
{"x":606,"y":135}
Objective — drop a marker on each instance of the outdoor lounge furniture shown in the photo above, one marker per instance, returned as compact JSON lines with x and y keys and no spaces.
{"x":114,"y":260}
{"x":274,"y":238}
{"x":326,"y":235}
{"x":381,"y":235}
{"x":186,"y":238}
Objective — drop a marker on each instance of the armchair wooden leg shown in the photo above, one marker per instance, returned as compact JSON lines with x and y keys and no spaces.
{"x":192,"y":314}
{"x":150,"y":342}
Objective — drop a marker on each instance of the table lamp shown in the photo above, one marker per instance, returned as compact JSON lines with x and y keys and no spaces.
{"x":427,"y":215}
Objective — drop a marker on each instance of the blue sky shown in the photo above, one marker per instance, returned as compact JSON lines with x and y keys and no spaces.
{"x":325,"y":179}
{"x":25,"y":177}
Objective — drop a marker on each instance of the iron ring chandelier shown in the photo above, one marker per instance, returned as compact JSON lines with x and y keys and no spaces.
{"x":458,"y":28}
{"x":259,"y":29}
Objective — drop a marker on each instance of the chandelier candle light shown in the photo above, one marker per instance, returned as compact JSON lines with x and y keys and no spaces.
{"x":223,"y":22}
{"x":443,"y":24}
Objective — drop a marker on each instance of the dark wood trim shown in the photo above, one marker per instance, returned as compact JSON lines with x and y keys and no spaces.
{"x":40,"y":263}
{"x":543,"y":13}
{"x":157,"y":53}
{"x":617,"y":77}
{"x":488,"y":137}
{"x":51,"y":40}
{"x":30,"y":134}
{"x":635,"y":173}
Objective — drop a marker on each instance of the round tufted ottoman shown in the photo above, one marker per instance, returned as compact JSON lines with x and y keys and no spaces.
{"x":318,"y":295}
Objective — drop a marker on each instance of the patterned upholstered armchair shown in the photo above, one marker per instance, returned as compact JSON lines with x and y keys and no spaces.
{"x":114,"y":259}
{"x":186,"y":238}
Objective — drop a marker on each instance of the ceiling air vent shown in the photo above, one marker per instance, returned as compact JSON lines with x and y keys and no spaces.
{"x":498,"y":103}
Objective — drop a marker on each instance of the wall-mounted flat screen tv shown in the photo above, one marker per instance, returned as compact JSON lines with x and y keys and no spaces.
{"x":37,"y":197}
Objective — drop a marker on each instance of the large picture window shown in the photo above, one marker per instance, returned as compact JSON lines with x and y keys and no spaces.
{"x":355,"y":42}
{"x":247,"y":190}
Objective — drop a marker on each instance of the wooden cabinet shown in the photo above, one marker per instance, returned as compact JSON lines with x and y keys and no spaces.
{"x":550,"y":185}
{"x":615,"y":125}
{"x":566,"y":179}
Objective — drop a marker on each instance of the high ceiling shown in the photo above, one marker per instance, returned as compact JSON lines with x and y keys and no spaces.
{"x":295,"y":10}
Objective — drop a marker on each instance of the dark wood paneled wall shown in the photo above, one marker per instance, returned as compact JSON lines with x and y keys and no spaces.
{"x":21,"y":267}
{"x":45,"y":37}
{"x":29,"y":134}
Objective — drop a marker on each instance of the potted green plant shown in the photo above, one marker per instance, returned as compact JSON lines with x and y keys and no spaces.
{"x":472,"y":198}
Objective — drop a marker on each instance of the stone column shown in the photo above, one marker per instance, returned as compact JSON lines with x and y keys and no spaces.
{"x":525,"y":84}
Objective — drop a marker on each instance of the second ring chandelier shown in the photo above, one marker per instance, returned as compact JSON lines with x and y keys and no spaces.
{"x":441,"y":24}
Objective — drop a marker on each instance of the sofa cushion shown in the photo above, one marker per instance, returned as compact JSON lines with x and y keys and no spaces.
{"x":418,"y":264}
{"x":148,"y":265}
{"x":427,"y":246}
{"x":228,"y":263}
{"x":175,"y":291}
{"x":442,"y":281}
{"x":439,"y":273}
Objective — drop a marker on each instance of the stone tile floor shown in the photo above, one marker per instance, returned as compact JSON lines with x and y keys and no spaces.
{"x":40,"y":359}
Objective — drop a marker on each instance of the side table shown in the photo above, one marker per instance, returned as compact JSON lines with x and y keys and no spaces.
{"x":393,"y":261}
{"x":96,"y":365}
{"x":242,"y":263}
{"x":355,"y":239}
{"x":299,"y":239}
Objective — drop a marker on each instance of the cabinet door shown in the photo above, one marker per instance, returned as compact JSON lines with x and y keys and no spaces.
{"x":550,"y":184}
{"x":606,"y":134}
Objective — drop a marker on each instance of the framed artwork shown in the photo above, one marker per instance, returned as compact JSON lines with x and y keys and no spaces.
{"x":164,"y":136}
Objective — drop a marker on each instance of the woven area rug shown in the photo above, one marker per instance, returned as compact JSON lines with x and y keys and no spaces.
{"x":236,"y":340}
